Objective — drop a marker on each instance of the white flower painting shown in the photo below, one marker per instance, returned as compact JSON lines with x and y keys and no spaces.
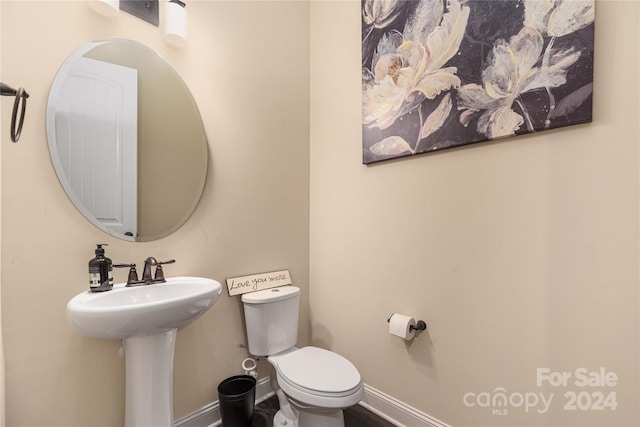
{"x":438,"y":74}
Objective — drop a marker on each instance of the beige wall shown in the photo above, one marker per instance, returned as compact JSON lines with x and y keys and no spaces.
{"x":519,"y":254}
{"x":247,"y":65}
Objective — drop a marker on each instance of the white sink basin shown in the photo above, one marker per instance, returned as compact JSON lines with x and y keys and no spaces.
{"x":146,"y":318}
{"x":142,"y":310}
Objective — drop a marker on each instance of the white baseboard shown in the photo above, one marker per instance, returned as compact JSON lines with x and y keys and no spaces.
{"x":395,"y":411}
{"x":381,"y":404}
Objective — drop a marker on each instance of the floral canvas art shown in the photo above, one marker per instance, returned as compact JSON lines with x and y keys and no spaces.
{"x":438,"y":74}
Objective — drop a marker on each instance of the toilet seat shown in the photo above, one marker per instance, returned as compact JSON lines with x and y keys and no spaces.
{"x":314,"y":376}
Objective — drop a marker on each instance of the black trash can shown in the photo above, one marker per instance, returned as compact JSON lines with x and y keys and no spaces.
{"x":237,"y":396}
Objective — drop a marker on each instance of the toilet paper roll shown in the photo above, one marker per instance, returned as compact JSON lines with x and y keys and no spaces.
{"x":400,"y":325}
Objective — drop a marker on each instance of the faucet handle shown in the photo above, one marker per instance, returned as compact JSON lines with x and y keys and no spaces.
{"x":133,"y":273}
{"x":159,"y":276}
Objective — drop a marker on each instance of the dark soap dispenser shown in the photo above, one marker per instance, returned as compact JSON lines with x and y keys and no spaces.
{"x":100,"y":271}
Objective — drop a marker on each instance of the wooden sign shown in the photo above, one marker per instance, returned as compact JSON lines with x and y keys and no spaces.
{"x":257,"y":282}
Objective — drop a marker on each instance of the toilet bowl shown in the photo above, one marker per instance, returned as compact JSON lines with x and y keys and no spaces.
{"x":318,"y":384}
{"x":313,"y":385}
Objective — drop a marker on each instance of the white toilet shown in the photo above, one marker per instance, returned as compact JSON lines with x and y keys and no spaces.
{"x":313,"y":385}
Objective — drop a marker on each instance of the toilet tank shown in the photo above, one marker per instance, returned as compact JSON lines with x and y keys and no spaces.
{"x":271,"y":316}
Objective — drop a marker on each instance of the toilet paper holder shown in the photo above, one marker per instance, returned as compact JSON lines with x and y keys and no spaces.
{"x":419,"y":326}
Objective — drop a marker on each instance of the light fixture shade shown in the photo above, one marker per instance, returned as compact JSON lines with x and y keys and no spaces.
{"x":108,"y":8}
{"x":175,"y":23}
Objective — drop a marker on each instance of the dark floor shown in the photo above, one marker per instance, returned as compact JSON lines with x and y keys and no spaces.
{"x":356,"y":416}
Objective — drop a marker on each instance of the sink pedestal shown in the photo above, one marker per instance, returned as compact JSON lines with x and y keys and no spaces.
{"x":149,"y":379}
{"x":146,"y":319}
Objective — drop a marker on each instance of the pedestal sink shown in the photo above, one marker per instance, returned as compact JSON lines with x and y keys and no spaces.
{"x":146,"y":318}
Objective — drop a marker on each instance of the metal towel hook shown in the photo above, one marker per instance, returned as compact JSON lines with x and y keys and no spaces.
{"x":20,"y":101}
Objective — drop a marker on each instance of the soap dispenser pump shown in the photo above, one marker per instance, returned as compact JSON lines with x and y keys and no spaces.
{"x":100,"y":271}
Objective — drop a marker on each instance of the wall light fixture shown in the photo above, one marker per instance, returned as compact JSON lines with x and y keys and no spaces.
{"x":175,"y":23}
{"x":147,"y":10}
{"x":108,"y":8}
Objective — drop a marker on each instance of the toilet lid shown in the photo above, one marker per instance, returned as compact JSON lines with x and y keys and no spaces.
{"x":319,"y":370}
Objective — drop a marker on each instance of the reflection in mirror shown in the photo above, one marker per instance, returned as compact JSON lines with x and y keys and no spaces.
{"x":126,"y":139}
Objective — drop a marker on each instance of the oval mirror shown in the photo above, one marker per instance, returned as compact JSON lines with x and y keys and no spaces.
{"x":126,"y":139}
